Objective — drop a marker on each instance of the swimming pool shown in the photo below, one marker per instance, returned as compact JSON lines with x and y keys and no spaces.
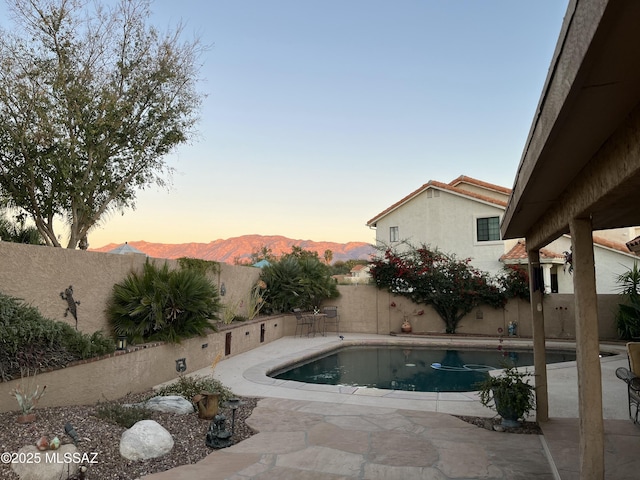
{"x":418,"y":369}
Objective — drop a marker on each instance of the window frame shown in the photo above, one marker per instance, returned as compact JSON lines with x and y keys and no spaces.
{"x":476,"y":240}
{"x":394,"y":234}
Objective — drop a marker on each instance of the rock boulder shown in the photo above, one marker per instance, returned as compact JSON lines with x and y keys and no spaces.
{"x":47,"y":465}
{"x":169,"y":404}
{"x":146,"y":439}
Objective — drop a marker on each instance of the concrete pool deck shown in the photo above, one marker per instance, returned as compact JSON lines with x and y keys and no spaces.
{"x":331,"y":432}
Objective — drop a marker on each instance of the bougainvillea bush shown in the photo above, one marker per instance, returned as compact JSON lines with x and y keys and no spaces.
{"x":452,"y":286}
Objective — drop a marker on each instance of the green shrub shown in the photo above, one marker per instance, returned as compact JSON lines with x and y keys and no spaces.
{"x":189,"y":386}
{"x":125,"y":416}
{"x":163,"y":304}
{"x":298,"y":280}
{"x":29,"y":341}
{"x":628,"y":314}
{"x":514,"y":281}
{"x":452,"y":286}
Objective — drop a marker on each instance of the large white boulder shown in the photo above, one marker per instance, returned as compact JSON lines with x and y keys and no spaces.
{"x":32,"y":464}
{"x":146,"y":439}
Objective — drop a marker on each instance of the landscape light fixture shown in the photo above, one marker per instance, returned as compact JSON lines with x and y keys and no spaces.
{"x":233,"y":404}
{"x":69,"y":430}
{"x":223,"y":290}
{"x":122,"y":342}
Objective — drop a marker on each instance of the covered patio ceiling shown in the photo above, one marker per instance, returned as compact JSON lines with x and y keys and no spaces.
{"x":590,"y":97}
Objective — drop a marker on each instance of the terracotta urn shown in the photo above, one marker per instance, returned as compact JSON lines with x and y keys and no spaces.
{"x":207,"y":403}
{"x":406,"y":326}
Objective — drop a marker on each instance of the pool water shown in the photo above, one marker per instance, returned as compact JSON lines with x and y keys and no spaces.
{"x":415,"y":369}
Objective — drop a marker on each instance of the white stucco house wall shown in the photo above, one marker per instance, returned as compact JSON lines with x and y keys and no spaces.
{"x":360,"y":274}
{"x":463,"y":217}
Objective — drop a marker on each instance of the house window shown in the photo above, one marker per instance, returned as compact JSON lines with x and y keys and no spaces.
{"x":393,"y":234}
{"x":488,"y":229}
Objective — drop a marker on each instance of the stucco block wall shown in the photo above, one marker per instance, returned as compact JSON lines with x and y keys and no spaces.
{"x":358,"y":309}
{"x":369,"y":310}
{"x":39,"y":274}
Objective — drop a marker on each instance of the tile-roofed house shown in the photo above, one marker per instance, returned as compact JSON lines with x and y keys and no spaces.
{"x":463,"y":217}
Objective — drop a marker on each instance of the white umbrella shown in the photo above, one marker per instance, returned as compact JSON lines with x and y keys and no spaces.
{"x":125,"y":249}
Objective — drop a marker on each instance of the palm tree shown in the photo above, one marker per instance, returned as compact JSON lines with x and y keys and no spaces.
{"x":628,"y":316}
{"x":17,"y":231}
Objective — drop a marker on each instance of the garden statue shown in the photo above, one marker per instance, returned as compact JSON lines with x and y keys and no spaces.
{"x":72,"y":304}
{"x":218,"y":436}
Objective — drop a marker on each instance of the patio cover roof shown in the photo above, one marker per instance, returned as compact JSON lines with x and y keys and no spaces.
{"x":591,"y":93}
{"x":580,"y":171}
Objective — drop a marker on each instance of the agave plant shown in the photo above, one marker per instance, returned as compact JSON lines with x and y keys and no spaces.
{"x":27,"y":394}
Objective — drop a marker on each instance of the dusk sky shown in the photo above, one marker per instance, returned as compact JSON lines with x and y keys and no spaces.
{"x":321,"y":114}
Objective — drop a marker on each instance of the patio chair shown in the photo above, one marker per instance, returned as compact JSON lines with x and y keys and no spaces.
{"x":632,"y":379}
{"x":332,"y":318}
{"x":302,"y":321}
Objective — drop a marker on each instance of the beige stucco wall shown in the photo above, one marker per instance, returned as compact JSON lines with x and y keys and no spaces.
{"x":39,"y":274}
{"x":365,"y":309}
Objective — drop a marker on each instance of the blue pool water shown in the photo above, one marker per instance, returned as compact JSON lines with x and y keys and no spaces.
{"x":416,"y":369}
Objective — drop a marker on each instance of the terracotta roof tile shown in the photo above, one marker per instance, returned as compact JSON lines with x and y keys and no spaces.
{"x":519,"y":252}
{"x":480,"y":183}
{"x":610,"y":244}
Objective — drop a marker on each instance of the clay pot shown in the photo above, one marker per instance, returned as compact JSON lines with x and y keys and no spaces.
{"x":207,"y":404}
{"x":26,"y":418}
{"x":406,"y":327}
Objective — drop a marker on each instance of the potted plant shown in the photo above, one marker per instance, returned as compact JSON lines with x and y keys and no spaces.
{"x":27,"y":396}
{"x":510,"y":394}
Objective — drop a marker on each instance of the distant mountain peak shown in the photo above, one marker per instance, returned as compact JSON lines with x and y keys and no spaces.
{"x":240,"y":248}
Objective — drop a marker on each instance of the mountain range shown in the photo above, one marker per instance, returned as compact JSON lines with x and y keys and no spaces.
{"x":239,"y":249}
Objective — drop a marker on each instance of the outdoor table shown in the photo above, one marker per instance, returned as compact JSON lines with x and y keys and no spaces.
{"x":315,"y":322}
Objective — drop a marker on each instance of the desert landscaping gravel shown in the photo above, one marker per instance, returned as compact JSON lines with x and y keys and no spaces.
{"x":103,"y":439}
